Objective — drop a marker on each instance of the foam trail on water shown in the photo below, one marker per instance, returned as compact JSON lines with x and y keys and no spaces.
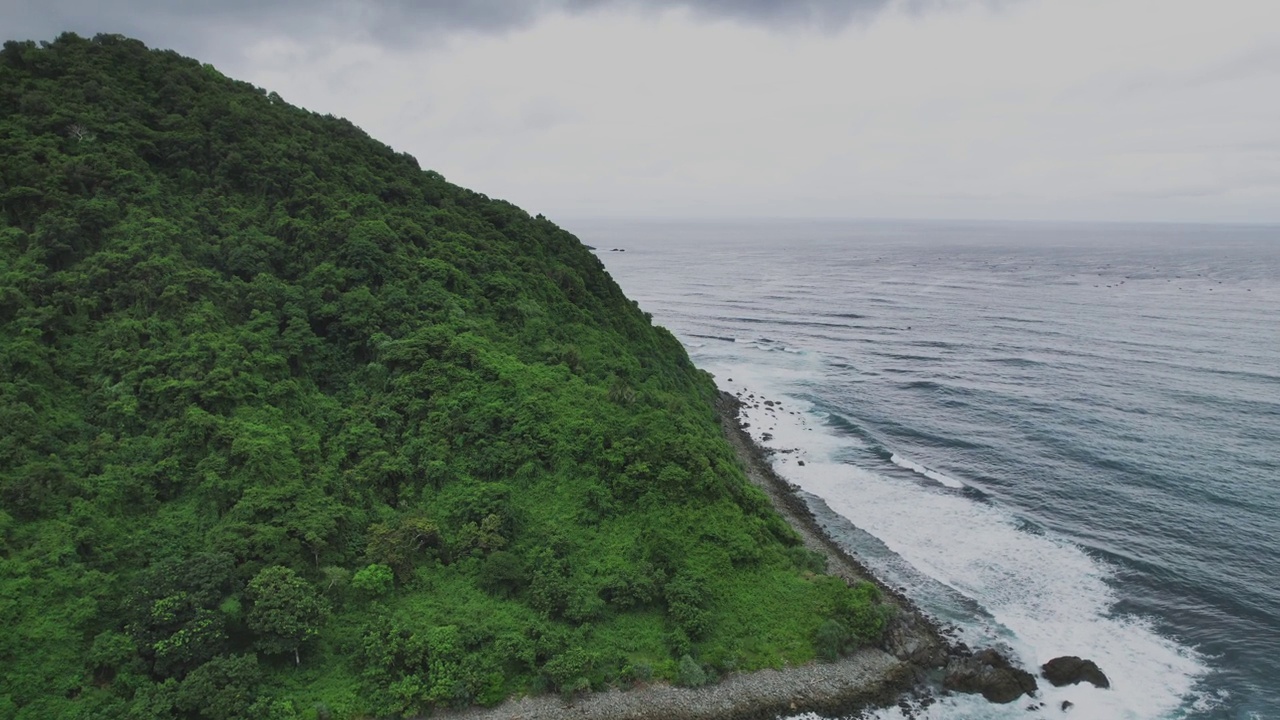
{"x":914,"y":467}
{"x":1043,"y":596}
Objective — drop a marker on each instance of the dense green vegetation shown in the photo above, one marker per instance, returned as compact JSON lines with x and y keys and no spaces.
{"x":290,"y":427}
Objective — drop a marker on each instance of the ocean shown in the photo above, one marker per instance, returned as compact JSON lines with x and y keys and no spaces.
{"x":1060,"y":438}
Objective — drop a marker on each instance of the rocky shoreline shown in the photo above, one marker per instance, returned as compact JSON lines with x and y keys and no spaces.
{"x":867,"y":678}
{"x":911,"y":637}
{"x":935,"y":659}
{"x":915,"y":652}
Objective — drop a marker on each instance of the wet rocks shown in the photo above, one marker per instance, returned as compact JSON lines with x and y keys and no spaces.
{"x":989,"y":673}
{"x":907,"y":639}
{"x":1069,"y":670}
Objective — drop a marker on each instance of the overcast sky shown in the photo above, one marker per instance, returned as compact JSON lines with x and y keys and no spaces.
{"x":1164,"y":110}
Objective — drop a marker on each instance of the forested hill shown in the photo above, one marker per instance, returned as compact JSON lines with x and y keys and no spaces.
{"x":290,"y":427}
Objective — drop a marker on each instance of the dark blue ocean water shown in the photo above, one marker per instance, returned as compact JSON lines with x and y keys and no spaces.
{"x":1063,"y":438}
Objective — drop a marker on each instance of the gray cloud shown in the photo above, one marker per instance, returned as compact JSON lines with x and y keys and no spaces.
{"x":816,"y":13}
{"x":201,"y":26}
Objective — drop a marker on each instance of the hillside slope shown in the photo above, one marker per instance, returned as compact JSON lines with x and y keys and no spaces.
{"x":290,"y":427}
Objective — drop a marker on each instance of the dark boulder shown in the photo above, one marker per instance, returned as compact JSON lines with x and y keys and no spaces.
{"x":910,"y":638}
{"x":1069,"y":670}
{"x":989,"y":673}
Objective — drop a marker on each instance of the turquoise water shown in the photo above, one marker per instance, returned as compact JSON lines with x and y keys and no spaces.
{"x":1064,"y":439}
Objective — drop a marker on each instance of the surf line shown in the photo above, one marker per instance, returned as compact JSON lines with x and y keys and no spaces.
{"x":919,"y":469}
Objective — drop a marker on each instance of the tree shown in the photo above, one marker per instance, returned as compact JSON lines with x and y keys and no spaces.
{"x":174,"y":618}
{"x":398,"y":545}
{"x":79,"y":132}
{"x":237,"y":335}
{"x":502,"y":574}
{"x":221,"y":689}
{"x":373,"y":581}
{"x":287,"y":611}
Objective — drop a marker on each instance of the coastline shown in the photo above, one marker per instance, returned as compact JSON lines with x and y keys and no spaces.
{"x":869,"y":677}
{"x":872,"y":677}
{"x":912,"y":636}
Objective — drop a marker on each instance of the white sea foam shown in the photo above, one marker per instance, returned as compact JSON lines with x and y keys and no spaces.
{"x":915,"y":467}
{"x":1042,"y":596}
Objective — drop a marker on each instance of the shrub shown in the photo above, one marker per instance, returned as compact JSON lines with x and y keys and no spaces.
{"x":863,"y":614}
{"x":805,"y":559}
{"x":635,"y":673}
{"x":832,"y":640}
{"x":690,"y":673}
{"x":503,"y":574}
{"x":687,"y":600}
{"x":679,"y":643}
{"x":569,"y":670}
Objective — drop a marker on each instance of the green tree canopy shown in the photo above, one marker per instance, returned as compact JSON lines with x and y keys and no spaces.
{"x":286,"y":610}
{"x":248,"y":352}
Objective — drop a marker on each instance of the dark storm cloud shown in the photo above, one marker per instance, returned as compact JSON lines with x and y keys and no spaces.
{"x":201,"y":25}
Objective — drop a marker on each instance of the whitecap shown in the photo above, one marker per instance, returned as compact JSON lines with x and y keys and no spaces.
{"x":919,"y":469}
